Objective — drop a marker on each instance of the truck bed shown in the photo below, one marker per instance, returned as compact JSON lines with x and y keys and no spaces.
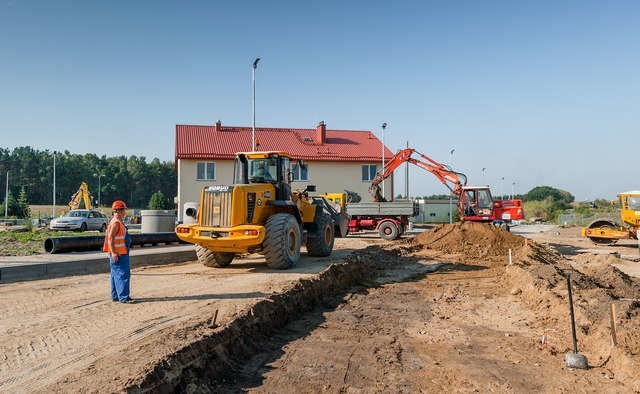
{"x":387,"y":208}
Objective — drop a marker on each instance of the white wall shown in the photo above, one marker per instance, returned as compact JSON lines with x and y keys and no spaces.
{"x":327,"y":176}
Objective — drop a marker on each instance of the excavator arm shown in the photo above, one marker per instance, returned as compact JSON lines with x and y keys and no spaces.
{"x":81,"y":195}
{"x":453,"y":180}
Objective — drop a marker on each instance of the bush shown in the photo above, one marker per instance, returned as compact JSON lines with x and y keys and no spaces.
{"x":159,"y":201}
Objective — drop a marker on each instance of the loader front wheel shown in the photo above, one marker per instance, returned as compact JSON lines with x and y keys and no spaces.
{"x":321,"y":243}
{"x":213,"y":259}
{"x":282,"y":241}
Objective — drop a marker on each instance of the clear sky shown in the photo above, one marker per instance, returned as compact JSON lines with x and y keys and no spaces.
{"x":536,"y":92}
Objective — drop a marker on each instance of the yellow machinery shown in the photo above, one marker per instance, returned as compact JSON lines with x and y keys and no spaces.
{"x":259,"y":214}
{"x":605,"y":231}
{"x":81,"y":195}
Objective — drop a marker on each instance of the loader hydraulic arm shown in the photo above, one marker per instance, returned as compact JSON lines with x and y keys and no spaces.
{"x":453,"y":180}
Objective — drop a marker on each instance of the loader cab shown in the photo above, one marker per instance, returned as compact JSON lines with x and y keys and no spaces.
{"x":265,"y":167}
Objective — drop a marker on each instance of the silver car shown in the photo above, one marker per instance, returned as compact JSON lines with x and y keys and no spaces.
{"x":81,"y":220}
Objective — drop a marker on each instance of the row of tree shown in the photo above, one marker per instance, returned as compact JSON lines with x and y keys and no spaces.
{"x":31,"y":172}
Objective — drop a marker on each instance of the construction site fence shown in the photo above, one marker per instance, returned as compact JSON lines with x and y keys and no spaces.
{"x":575,"y":219}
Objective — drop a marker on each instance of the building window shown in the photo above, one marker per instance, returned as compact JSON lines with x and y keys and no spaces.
{"x":369,"y":172}
{"x":300,"y":172}
{"x":206,"y":171}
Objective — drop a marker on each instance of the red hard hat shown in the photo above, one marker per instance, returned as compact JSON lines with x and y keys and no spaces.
{"x":118,"y":204}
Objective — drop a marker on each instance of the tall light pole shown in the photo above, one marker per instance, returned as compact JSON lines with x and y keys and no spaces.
{"x":484,"y":178}
{"x":99,"y":186}
{"x":501,"y":188}
{"x":53,"y":207}
{"x":513,"y":190}
{"x":6,"y":198}
{"x":451,"y":194}
{"x":253,"y":105}
{"x":384,"y":126}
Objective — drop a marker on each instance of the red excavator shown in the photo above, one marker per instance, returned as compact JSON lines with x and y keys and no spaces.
{"x":475,"y":203}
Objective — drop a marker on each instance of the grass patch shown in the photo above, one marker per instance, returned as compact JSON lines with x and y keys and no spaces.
{"x":26,"y":243}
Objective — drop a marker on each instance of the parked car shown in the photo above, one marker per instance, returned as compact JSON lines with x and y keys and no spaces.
{"x":80,"y":219}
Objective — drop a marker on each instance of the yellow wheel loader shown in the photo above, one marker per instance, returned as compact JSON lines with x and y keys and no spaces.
{"x":259,"y":213}
{"x":607,"y":232}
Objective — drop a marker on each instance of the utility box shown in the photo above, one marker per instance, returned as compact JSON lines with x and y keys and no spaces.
{"x":158,"y":221}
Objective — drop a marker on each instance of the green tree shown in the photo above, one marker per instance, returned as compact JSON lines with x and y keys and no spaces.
{"x":23,"y":211}
{"x":540,"y":193}
{"x":159,"y":201}
{"x":12,"y":208}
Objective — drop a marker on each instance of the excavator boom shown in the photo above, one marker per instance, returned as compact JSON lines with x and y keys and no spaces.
{"x":82,"y":194}
{"x":453,"y":180}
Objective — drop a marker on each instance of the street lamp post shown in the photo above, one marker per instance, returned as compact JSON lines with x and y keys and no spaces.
{"x":384,"y":126}
{"x":53,"y":207}
{"x":513,"y":190}
{"x":99,"y":186}
{"x":253,"y":105}
{"x":6,"y":198}
{"x":484,"y":178}
{"x":451,"y":194}
{"x":501,"y":188}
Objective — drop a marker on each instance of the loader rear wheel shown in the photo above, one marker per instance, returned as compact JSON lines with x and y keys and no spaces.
{"x":213,"y":259}
{"x":388,"y":231}
{"x":282,"y":241}
{"x":603,"y":224}
{"x":321,"y":244}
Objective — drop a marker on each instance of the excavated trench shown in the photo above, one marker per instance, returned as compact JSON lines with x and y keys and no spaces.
{"x":536,"y":278}
{"x":214,"y":359}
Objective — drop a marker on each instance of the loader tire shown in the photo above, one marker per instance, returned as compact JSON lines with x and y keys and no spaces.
{"x":388,"y":231}
{"x":282,"y":241}
{"x":213,"y":259}
{"x":321,"y":243}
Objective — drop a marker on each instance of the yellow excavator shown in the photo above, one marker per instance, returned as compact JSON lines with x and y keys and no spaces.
{"x":82,"y":195}
{"x":607,"y":232}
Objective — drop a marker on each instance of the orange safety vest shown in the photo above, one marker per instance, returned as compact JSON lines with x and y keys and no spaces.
{"x":118,"y":240}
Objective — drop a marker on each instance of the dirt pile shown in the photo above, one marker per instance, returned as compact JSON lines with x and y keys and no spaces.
{"x":538,"y":278}
{"x":473,"y":240}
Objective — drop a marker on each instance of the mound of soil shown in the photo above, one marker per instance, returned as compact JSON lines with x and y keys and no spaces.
{"x":473,"y":240}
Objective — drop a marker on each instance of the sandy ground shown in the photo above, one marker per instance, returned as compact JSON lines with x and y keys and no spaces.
{"x":440,"y":311}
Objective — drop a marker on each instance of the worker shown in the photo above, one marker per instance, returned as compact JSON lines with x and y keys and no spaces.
{"x":262,"y":171}
{"x":117,"y":242}
{"x":469,"y":202}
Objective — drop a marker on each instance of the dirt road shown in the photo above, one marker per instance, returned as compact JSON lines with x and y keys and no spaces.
{"x":442,"y":311}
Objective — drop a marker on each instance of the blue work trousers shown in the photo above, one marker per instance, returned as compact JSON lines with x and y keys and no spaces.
{"x":120,"y":278}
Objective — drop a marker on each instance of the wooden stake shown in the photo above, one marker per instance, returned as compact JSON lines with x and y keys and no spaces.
{"x":613,"y":325}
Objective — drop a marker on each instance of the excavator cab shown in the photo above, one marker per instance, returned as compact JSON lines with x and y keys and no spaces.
{"x":476,"y":202}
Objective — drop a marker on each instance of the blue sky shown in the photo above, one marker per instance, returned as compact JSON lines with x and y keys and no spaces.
{"x":538,"y":93}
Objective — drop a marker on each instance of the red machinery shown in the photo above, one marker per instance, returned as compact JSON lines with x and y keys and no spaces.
{"x":475,"y":203}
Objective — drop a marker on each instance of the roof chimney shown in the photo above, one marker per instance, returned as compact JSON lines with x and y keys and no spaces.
{"x":321,"y":133}
{"x":218,"y":125}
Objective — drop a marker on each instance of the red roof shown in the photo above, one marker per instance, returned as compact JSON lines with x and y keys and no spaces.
{"x":223,"y":142}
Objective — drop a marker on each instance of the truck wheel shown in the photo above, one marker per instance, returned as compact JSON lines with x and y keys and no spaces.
{"x":388,"y":231}
{"x":213,"y":259}
{"x":321,"y":244}
{"x":282,"y":241}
